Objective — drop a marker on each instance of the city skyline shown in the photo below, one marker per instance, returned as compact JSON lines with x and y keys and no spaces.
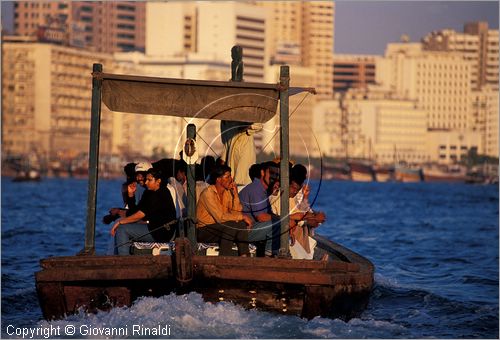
{"x":354,"y":18}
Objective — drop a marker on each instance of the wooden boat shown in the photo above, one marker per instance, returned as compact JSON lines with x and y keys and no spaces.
{"x":361,"y":171}
{"x":403,"y":173}
{"x":384,"y":173}
{"x":336,"y":283}
{"x":443,"y":174}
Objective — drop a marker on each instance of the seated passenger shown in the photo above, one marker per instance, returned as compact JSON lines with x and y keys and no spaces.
{"x":219,"y":214}
{"x":149,"y":223}
{"x":266,"y":228}
{"x":129,"y":190}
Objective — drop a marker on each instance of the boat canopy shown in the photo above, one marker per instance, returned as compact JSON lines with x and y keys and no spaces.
{"x":222,"y":100}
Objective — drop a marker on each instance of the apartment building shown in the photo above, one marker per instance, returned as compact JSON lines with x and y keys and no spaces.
{"x":46,"y":91}
{"x":303,"y":33}
{"x":477,"y":43}
{"x":353,"y":71}
{"x":372,"y":125}
{"x":103,"y":26}
{"x":439,"y":82}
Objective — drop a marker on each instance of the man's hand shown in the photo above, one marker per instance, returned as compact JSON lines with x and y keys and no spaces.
{"x":248,"y":221}
{"x":115,"y":227}
{"x":306,"y":190}
{"x":118,"y":211}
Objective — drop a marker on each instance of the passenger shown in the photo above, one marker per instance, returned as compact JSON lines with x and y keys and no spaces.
{"x":149,"y":223}
{"x":202,"y":174}
{"x":254,"y":198}
{"x":129,"y":192}
{"x":219,"y":214}
{"x":301,"y":199}
{"x":254,"y":171}
{"x":179,"y":182}
{"x":114,"y":213}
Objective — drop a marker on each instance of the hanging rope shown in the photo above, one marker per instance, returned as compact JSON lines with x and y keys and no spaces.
{"x":289,"y":116}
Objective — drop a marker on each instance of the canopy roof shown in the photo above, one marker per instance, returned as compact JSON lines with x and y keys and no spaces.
{"x":222,"y":100}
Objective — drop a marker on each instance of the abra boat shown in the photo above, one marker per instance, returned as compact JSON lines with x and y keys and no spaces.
{"x":336,"y":283}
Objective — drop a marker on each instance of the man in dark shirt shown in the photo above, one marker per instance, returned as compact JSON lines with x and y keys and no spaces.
{"x":155,"y":209}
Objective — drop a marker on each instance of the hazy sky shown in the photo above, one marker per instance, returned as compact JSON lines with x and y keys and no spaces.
{"x":365,"y":27}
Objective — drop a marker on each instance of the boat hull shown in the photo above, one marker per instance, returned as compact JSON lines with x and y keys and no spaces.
{"x":335,"y":288}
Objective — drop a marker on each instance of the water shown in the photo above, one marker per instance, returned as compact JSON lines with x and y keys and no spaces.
{"x":434,"y":246}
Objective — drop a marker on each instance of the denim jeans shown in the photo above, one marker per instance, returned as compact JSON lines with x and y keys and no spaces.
{"x":132,"y":231}
{"x":269,"y":232}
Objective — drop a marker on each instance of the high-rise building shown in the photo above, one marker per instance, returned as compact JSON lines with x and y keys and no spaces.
{"x":103,"y":26}
{"x":477,"y":43}
{"x":46,"y":91}
{"x":353,"y":71}
{"x":303,"y":33}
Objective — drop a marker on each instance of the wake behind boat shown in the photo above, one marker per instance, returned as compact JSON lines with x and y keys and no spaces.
{"x":337,"y":282}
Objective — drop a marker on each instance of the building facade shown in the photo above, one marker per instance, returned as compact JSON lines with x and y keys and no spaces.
{"x":103,"y":26}
{"x":477,"y":43}
{"x":353,"y":71}
{"x":46,"y":91}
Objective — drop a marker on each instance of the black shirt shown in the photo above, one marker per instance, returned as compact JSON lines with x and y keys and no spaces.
{"x":159,"y":208}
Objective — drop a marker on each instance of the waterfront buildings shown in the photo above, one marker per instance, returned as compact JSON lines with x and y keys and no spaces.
{"x":353,"y":71}
{"x":46,"y":93}
{"x":102,"y":26}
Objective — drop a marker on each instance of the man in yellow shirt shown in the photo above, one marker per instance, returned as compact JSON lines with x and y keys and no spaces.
{"x":219,"y":214}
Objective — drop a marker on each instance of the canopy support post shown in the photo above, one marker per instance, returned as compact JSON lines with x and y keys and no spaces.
{"x":284,"y":250}
{"x":191,"y":193}
{"x":95,"y":120}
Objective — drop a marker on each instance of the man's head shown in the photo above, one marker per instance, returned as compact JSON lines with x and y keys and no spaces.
{"x":180,"y":171}
{"x":153,"y":179}
{"x":221,"y":176}
{"x":269,"y":173}
{"x":140,"y":172}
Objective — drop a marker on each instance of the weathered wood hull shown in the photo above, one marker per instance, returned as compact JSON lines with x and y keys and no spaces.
{"x":333,"y":288}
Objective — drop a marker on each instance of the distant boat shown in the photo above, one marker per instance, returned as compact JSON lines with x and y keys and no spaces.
{"x":384,"y":173}
{"x":443,"y":174}
{"x":361,"y":171}
{"x":27,"y":176}
{"x":405,"y":173}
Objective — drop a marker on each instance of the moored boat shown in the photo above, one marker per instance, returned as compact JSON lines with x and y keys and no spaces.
{"x":384,"y":173}
{"x":336,"y":283}
{"x":361,"y":171}
{"x":403,"y":173}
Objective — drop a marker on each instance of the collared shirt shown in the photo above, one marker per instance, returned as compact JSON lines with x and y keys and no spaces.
{"x":254,"y":199}
{"x":211,"y":209}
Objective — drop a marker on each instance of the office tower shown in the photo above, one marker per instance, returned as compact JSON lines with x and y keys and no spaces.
{"x":303,"y":33}
{"x":353,"y":71}
{"x":477,"y":43}
{"x":104,"y":26}
{"x":46,"y":91}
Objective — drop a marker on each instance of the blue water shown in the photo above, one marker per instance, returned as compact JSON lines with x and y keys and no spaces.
{"x":434,"y":246}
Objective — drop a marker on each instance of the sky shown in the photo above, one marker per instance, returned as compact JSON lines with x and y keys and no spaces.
{"x":366,"y":27}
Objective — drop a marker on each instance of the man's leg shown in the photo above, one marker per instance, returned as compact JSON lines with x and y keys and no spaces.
{"x":241,"y":236}
{"x":219,"y":233}
{"x":261,"y":233}
{"x":127,"y":232}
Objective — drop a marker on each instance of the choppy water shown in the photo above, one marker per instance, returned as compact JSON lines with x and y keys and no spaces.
{"x":434,"y":246}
